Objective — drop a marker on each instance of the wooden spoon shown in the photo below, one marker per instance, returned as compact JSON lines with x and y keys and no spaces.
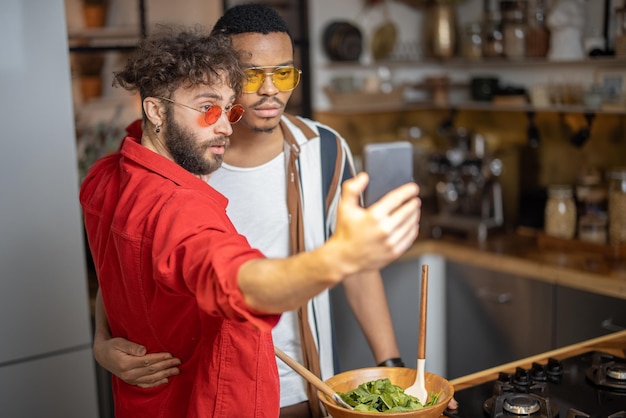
{"x":418,"y":388}
{"x":311,"y":378}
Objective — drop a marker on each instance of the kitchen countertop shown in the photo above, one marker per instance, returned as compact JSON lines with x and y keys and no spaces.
{"x":614,"y":344}
{"x":522,"y":254}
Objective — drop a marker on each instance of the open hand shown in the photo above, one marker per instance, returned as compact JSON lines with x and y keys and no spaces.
{"x":374,"y":236}
{"x":129,"y":362}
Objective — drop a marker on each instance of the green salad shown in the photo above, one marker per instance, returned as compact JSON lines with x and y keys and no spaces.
{"x":383,"y":396}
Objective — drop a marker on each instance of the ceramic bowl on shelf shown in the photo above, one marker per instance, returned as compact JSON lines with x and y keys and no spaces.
{"x":401,"y":376}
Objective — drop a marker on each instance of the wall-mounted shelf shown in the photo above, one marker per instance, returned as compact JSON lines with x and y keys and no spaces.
{"x":109,"y":38}
{"x":104,"y":39}
{"x":471,"y":106}
{"x":602,"y":61}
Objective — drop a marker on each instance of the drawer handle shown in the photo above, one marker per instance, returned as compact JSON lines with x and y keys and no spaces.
{"x":494,"y":297}
{"x":608,"y":325}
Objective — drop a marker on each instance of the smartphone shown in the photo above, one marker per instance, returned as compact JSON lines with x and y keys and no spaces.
{"x":389,"y":165}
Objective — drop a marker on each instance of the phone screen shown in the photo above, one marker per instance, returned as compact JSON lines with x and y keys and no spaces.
{"x":389,"y":165}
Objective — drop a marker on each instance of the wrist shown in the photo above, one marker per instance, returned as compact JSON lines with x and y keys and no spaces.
{"x":391,"y":362}
{"x":336,"y":261}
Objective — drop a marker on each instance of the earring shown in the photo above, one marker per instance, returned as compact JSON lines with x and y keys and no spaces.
{"x":158,"y":129}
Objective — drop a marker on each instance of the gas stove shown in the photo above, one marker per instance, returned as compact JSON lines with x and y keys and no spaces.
{"x":590,"y":385}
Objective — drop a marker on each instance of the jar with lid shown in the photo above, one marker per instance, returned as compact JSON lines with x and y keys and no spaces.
{"x":592,"y":200}
{"x":493,"y":44}
{"x":473,"y":41}
{"x":592,"y":228}
{"x":617,"y":206}
{"x":560,"y":212}
{"x":514,"y":28}
{"x":620,"y":32}
{"x":591,"y":193}
{"x":538,"y":35}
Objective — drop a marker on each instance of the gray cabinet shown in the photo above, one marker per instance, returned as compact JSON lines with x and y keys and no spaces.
{"x":494,"y":318}
{"x":46,"y":363}
{"x":402,"y":281}
{"x":583,"y":315}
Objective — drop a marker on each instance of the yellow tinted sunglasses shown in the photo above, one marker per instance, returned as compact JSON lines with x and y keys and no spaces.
{"x":284,"y":78}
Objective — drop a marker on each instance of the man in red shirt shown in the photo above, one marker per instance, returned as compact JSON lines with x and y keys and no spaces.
{"x":174,"y":274}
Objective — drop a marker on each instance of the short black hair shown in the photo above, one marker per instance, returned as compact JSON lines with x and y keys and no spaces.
{"x":250,"y":18}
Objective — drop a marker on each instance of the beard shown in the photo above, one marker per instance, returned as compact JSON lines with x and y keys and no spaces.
{"x":188,"y":151}
{"x":267,"y":129}
{"x":264,"y":130}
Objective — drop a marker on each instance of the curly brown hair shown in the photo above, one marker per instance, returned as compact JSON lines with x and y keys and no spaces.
{"x":178,"y":56}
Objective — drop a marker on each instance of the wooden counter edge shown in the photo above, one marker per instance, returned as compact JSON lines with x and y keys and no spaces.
{"x":613,"y":344}
{"x":590,"y":282}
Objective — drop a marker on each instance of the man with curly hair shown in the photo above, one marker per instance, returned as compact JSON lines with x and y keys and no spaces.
{"x":280,"y":199}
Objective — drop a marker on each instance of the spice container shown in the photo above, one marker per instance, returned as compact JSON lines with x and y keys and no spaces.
{"x":592,"y":228}
{"x":617,"y":206}
{"x":538,"y":36}
{"x":560,"y":212}
{"x":514,"y":28}
{"x":620,"y":33}
{"x":473,"y":41}
{"x":493,"y":46}
{"x":591,"y":194}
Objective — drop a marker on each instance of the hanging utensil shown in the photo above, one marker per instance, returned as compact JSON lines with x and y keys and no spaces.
{"x":418,"y":388}
{"x":311,"y":378}
{"x":532,"y":131}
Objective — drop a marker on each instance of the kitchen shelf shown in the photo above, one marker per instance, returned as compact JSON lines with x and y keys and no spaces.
{"x":603,"y":61}
{"x":109,"y":38}
{"x":471,"y":106}
{"x":104,"y":39}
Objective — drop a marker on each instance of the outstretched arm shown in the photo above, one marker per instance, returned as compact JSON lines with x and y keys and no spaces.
{"x":128,"y":360}
{"x":363,"y":239}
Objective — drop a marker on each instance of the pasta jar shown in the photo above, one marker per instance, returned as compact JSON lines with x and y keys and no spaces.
{"x":560,"y":213}
{"x":617,"y":206}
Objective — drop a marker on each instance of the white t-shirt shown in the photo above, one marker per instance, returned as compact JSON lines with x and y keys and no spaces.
{"x":262,"y":218}
{"x":258,"y":208}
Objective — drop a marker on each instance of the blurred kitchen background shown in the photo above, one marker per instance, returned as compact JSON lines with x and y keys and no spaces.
{"x":516,"y":110}
{"x":521,"y":94}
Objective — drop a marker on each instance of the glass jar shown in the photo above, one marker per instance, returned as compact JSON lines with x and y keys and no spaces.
{"x":493,"y":46}
{"x":473,"y":41}
{"x":620,"y":32}
{"x":617,"y":206}
{"x":560,"y":212}
{"x":592,"y":228}
{"x":514,"y":28}
{"x":538,"y":36}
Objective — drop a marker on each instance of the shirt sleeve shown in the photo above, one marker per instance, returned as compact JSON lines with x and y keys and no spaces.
{"x":198,"y":252}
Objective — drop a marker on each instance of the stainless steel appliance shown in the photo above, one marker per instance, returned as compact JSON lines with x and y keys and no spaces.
{"x":592,"y":384}
{"x":469,"y":196}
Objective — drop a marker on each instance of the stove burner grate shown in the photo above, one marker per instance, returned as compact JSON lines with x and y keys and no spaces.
{"x":520,"y":404}
{"x":606,"y":372}
{"x":617,"y":372}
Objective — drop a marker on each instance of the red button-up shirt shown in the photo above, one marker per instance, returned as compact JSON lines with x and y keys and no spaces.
{"x":167,"y":259}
